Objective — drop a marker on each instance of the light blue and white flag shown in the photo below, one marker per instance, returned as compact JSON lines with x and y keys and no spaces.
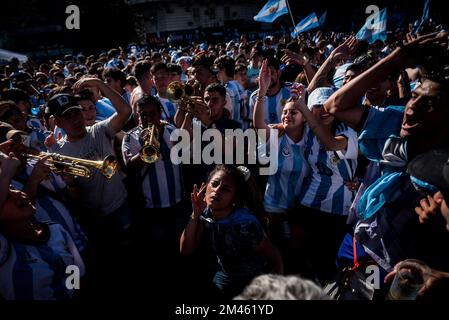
{"x":425,"y":16}
{"x":375,"y":28}
{"x":271,"y":11}
{"x":323,"y":18}
{"x":308,"y":23}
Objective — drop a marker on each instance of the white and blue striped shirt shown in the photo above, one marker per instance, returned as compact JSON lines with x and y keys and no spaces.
{"x":283,"y":187}
{"x":232,"y":88}
{"x":169,"y":109}
{"x":49,"y":209}
{"x":273,"y":105}
{"x":325,"y":188}
{"x":38,"y":272}
{"x":162,"y":185}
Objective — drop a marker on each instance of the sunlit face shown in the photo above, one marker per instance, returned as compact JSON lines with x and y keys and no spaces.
{"x":291,"y":117}
{"x":216,"y":103}
{"x":349,"y":75}
{"x":89,"y":111}
{"x":427,"y":112}
{"x":17,"y":207}
{"x":220,"y":191}
{"x":322,"y":115}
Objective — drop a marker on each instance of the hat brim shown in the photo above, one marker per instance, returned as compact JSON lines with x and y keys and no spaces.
{"x":11,"y":133}
{"x":431,"y":167}
{"x":71,"y":108}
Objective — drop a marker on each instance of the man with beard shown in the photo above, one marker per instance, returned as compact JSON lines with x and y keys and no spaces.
{"x":277,"y":94}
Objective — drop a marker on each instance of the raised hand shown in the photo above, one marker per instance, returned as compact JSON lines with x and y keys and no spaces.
{"x":264,"y":78}
{"x":198,"y":202}
{"x":346,"y":49}
{"x":291,"y":57}
{"x":414,"y":50}
{"x":298,"y":94}
{"x":428,"y":209}
{"x":81,"y":84}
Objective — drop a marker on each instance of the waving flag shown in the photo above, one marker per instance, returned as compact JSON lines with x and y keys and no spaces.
{"x":271,"y":11}
{"x":374,"y":28}
{"x":323,"y":18}
{"x":308,"y":23}
{"x":425,"y":16}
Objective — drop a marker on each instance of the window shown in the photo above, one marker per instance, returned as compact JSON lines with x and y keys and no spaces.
{"x":212,"y":15}
{"x":196,"y":14}
{"x":227,"y":13}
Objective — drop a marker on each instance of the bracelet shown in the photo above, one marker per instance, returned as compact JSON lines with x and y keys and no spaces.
{"x":260,"y":98}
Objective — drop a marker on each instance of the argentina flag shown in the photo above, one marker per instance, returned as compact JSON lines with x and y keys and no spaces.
{"x":375,"y":28}
{"x":271,"y":11}
{"x":308,"y":23}
{"x":424,"y":18}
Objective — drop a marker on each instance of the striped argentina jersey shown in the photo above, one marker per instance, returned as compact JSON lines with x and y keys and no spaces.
{"x":38,"y":272}
{"x":162,"y":185}
{"x":283,"y":187}
{"x":233,"y":90}
{"x":168,"y":114}
{"x":273,"y":105}
{"x":325,"y":188}
{"x":49,"y":209}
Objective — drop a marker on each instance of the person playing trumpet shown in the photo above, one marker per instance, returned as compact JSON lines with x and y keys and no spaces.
{"x":160,"y":208}
{"x":105,"y":202}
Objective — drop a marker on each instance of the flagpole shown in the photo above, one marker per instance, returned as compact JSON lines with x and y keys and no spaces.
{"x":291,"y":14}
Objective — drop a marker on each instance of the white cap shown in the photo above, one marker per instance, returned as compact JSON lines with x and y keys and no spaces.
{"x":319,"y":96}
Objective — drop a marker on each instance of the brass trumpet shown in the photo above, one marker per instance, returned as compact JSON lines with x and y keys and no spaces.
{"x":75,"y":166}
{"x":150,"y":151}
{"x":180,"y":94}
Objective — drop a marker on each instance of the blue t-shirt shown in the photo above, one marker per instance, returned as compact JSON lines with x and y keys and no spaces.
{"x":234,"y":240}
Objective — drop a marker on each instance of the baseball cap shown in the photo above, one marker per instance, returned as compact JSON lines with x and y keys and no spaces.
{"x":61,"y":103}
{"x":7,"y":131}
{"x":431,"y":167}
{"x":319,"y":96}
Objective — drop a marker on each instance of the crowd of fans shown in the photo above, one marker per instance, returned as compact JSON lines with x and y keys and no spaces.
{"x":363,"y":149}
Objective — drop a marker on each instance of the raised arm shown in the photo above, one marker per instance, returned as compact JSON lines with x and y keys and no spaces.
{"x":344,"y":104}
{"x":121,"y":106}
{"x":291,"y":57}
{"x":324,"y":136}
{"x":191,"y":235}
{"x":343,"y":51}
{"x":259,"y":112}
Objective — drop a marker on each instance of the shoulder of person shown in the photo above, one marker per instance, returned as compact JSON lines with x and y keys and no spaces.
{"x":254,"y":94}
{"x":244,"y":215}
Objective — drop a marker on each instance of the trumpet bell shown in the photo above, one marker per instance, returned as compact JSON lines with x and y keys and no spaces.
{"x":109,"y":166}
{"x":149,"y":154}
